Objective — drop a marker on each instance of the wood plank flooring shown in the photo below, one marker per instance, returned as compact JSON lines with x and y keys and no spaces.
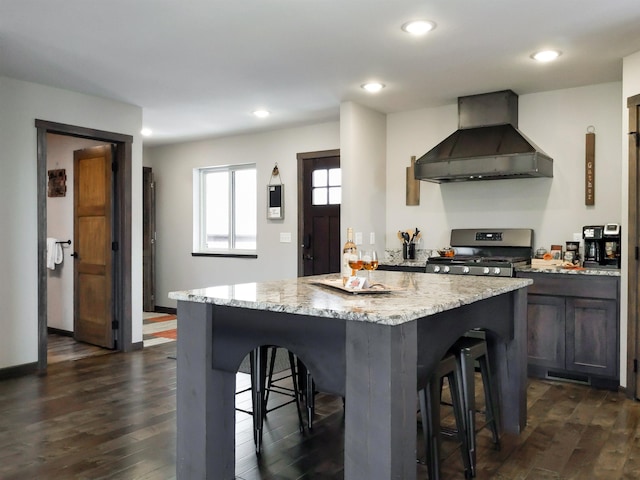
{"x":113,"y":417}
{"x":61,"y":348}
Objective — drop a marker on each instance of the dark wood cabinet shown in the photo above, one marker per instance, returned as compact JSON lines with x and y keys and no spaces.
{"x":546,"y":331}
{"x":573,"y":328}
{"x":403,"y":268}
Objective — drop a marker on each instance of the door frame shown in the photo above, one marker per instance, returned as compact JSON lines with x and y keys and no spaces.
{"x":148,"y":241}
{"x":121,"y":226}
{"x":633,"y":266}
{"x":301,"y":159}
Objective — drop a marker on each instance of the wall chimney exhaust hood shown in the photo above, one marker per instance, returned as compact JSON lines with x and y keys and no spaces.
{"x":486,"y":146}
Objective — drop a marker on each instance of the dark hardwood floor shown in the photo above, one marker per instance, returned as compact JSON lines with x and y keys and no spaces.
{"x":113,"y":417}
{"x":62,"y":348}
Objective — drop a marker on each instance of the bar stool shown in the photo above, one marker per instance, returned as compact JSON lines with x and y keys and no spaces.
{"x":468,"y":350}
{"x":430,"y":398}
{"x":262,"y":384}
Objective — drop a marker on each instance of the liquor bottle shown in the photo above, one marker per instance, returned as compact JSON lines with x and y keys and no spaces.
{"x":348,"y":250}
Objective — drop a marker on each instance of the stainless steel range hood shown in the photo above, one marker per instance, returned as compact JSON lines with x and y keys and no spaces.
{"x":486,"y":146}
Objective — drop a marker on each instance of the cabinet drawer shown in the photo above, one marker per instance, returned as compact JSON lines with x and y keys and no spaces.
{"x":588,"y":286}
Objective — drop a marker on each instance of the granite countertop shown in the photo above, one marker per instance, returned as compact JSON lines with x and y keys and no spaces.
{"x":413,"y":296}
{"x":404,"y":263}
{"x":605,"y":272}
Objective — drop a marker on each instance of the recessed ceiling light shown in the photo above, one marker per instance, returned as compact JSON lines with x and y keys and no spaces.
{"x":418,"y":27}
{"x":146,"y":132}
{"x":546,"y":55}
{"x":261,"y":113}
{"x":372,"y":87}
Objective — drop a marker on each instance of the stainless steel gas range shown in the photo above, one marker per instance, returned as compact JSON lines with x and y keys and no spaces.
{"x":486,"y":252}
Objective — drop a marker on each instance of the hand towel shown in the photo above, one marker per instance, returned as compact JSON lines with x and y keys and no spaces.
{"x":54,"y":253}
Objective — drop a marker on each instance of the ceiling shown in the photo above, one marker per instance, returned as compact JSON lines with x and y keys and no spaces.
{"x":199,"y":68}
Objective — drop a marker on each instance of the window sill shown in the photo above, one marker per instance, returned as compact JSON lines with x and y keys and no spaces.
{"x":225,"y":254}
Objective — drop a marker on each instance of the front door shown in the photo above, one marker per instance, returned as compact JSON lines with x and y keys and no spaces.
{"x":319,"y":212}
{"x":93,"y":287}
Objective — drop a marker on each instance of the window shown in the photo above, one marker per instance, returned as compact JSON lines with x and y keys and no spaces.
{"x":225,"y":211}
{"x":326,"y":186}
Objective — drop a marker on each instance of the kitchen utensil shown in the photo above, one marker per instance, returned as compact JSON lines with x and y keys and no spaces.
{"x":410,"y":233}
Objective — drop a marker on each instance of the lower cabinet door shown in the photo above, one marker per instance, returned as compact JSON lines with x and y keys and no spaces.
{"x":592,"y":339}
{"x":546,"y":331}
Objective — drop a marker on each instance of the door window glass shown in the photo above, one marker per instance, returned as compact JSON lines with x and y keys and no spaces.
{"x":326,"y":186}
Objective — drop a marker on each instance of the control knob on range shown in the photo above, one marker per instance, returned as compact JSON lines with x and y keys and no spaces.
{"x":486,"y":270}
{"x":496,"y":270}
{"x":436,"y":269}
{"x":465,"y":269}
{"x":446,"y":269}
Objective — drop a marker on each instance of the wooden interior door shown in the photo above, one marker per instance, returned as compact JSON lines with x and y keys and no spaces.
{"x":148,"y":241}
{"x":318,"y":222}
{"x":93,"y":269}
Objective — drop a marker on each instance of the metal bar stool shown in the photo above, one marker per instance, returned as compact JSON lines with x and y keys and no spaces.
{"x":261,"y":384}
{"x":430,"y":398}
{"x":469,"y":350}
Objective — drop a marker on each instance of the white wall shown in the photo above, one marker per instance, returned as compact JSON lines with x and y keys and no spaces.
{"x":60,"y":150}
{"x":557,"y":122}
{"x":173,"y":168}
{"x":362,"y":158}
{"x":20,"y":104}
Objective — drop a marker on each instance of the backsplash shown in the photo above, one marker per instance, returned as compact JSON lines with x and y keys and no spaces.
{"x":394,"y":255}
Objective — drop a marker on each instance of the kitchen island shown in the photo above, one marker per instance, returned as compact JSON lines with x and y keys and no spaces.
{"x":374,"y":349}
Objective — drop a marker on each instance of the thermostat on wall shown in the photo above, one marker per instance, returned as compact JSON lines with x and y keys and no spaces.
{"x":275,"y":202}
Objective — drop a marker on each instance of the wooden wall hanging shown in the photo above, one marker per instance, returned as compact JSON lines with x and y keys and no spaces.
{"x":57,"y":186}
{"x":413,"y":185}
{"x":590,"y":167}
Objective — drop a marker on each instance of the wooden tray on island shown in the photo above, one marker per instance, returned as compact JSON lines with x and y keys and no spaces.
{"x":374,"y":288}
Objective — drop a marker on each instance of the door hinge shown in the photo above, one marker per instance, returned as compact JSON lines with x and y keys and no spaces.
{"x":114,"y":246}
{"x":115,"y":325}
{"x":637,"y":137}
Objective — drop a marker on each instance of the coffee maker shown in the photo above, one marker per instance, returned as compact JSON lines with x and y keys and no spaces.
{"x":602,"y":245}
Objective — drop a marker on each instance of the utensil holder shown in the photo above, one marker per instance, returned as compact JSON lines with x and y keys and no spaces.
{"x":404,"y":251}
{"x":412,"y":251}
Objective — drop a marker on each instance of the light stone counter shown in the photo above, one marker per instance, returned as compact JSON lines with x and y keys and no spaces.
{"x":605,"y":272}
{"x":414,"y":295}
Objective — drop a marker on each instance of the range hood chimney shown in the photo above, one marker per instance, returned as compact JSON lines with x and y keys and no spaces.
{"x":486,"y":146}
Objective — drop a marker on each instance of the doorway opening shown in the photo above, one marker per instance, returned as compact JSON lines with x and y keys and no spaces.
{"x":70,"y":335}
{"x":120,"y":229}
{"x":319,"y":199}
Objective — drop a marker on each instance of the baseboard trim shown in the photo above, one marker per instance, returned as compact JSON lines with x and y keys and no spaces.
{"x":18,"y":371}
{"x":169,"y":310}
{"x":136,"y":346}
{"x":58,"y":331}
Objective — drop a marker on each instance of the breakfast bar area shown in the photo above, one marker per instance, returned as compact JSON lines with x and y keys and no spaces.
{"x":374,"y":349}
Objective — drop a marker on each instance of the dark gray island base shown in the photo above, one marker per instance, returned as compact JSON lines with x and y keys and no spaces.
{"x":375,"y":349}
